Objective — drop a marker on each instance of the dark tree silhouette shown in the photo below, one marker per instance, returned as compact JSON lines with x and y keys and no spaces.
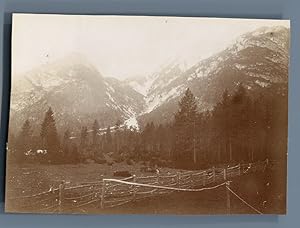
{"x":49,"y":136}
{"x":95,"y":129}
{"x":67,"y":145}
{"x":240,"y":128}
{"x":24,"y":142}
{"x":184,"y":126}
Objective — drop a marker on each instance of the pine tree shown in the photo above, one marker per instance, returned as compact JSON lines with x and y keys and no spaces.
{"x":239,"y":123}
{"x":95,"y":129}
{"x":83,"y":137}
{"x":83,"y":143}
{"x":24,"y":141}
{"x":148,"y":138}
{"x":108,"y":135}
{"x":222,"y":122}
{"x":108,"y":140}
{"x":26,"y":134}
{"x":66,"y":144}
{"x":184,"y":127}
{"x":117,"y":137}
{"x":67,"y":136}
{"x":49,"y":136}
{"x":75,"y":158}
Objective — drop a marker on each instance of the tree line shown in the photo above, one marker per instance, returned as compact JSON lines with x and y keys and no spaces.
{"x":239,"y":128}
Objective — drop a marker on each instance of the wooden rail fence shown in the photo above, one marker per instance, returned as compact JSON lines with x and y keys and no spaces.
{"x":115,"y":192}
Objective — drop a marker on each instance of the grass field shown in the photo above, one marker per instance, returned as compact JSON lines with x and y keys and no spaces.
{"x":31,"y":179}
{"x":265,"y":191}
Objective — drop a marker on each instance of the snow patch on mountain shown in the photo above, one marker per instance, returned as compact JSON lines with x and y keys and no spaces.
{"x":141,"y":88}
{"x":156,"y":100}
{"x":110,"y":97}
{"x":262,"y":84}
{"x":109,"y":87}
{"x":239,"y":66}
{"x":142,"y":85}
{"x":132,"y":123}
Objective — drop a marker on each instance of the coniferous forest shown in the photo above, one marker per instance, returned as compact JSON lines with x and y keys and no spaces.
{"x":239,"y":128}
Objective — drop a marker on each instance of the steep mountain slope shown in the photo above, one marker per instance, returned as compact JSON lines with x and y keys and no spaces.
{"x":159,"y":92}
{"x":77,"y":93}
{"x":258,"y":60}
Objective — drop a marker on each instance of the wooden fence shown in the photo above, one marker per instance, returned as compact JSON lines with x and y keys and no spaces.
{"x":115,"y":192}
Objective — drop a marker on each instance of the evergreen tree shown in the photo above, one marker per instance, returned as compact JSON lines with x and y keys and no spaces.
{"x":148,"y":139}
{"x":49,"y":136}
{"x":184,"y":127}
{"x":24,"y":141}
{"x":95,"y":129}
{"x":108,"y":136}
{"x":108,"y":140}
{"x":117,"y":137}
{"x":222,"y":123}
{"x":239,"y":123}
{"x":75,"y":158}
{"x":83,"y":143}
{"x":66,"y":144}
{"x":83,"y":137}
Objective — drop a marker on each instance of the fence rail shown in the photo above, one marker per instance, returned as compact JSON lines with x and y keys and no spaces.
{"x":115,"y":192}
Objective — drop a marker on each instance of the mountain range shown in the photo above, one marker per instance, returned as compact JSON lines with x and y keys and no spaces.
{"x":78,"y":93}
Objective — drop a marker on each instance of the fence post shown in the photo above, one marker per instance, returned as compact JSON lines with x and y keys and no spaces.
{"x":178,"y":179}
{"x":103,"y":194}
{"x":191,"y":179}
{"x":225,"y":174}
{"x":214,"y":173}
{"x":134,"y":188}
{"x":266,"y":164}
{"x":157,"y":178}
{"x":60,"y":196}
{"x":204,"y":178}
{"x":239,"y":169}
{"x":228,"y":197}
{"x":134,"y":178}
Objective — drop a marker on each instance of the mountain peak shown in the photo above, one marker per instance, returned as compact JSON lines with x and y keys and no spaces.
{"x":270,"y":30}
{"x":71,"y":60}
{"x":75,"y":58}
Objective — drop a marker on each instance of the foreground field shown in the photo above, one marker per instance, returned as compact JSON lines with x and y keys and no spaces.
{"x":263,"y":190}
{"x":31,"y":179}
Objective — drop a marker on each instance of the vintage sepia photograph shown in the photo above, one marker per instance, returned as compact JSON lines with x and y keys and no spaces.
{"x":147,"y":115}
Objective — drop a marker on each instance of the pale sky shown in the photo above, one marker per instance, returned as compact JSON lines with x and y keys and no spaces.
{"x":123,"y":46}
